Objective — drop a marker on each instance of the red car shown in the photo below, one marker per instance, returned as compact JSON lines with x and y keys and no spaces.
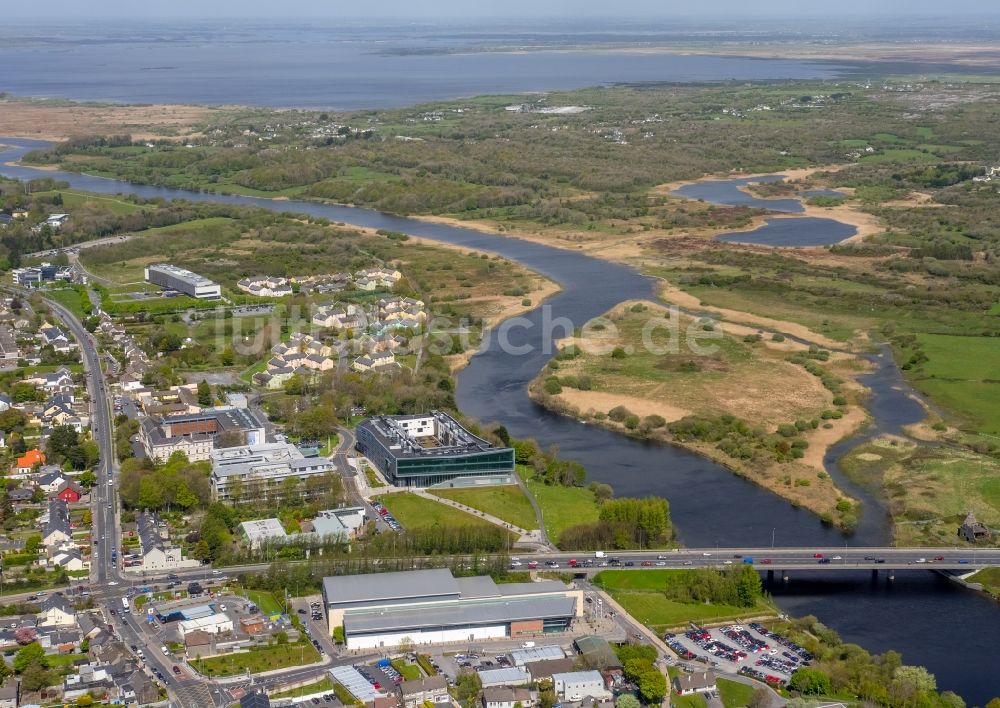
{"x":939,"y":558}
{"x":766,"y":561}
{"x":177,"y":670}
{"x":647,"y":564}
{"x":817,"y":555}
{"x":573,"y":562}
{"x":532,"y":565}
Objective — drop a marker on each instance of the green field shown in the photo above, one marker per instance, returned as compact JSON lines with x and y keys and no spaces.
{"x":507,"y":503}
{"x":963,"y":375}
{"x":415,"y":512}
{"x":257,"y":660}
{"x":640,"y":592}
{"x":563,"y":507}
{"x":409,"y":672}
{"x":733,"y":694}
{"x":264,"y":600}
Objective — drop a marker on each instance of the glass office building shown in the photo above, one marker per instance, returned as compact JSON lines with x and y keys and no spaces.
{"x":429,"y":450}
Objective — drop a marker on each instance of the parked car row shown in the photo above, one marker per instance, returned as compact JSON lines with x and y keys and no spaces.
{"x":746,"y":640}
{"x":705,"y":641}
{"x":762,"y":676}
{"x":386,"y":516}
{"x":681,"y":650}
{"x":803,"y":655}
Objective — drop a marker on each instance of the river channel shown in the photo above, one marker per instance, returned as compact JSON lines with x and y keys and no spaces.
{"x":928,"y":619}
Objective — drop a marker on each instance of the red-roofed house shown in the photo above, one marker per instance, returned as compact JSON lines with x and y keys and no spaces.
{"x":26,"y":462}
{"x":70,"y":492}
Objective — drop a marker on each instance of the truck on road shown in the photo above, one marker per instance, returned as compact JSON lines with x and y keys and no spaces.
{"x":599,"y":554}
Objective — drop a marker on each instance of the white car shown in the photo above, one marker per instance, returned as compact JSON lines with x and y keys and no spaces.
{"x":921,"y":560}
{"x":836,"y":558}
{"x":112,"y":582}
{"x":515,"y":564}
{"x":706,"y":554}
{"x":728,"y":562}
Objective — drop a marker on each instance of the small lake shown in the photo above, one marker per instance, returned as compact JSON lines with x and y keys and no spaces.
{"x":799,"y":231}
{"x":728,"y":192}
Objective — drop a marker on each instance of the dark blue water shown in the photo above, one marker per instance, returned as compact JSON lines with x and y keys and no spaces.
{"x":728,"y":192}
{"x":949,"y":630}
{"x":797,"y":231}
{"x":326,"y":64}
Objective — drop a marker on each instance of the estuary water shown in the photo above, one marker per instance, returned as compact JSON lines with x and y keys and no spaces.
{"x":929,"y":620}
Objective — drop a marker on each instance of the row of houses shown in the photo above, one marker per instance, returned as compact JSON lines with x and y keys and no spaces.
{"x":344,"y":524}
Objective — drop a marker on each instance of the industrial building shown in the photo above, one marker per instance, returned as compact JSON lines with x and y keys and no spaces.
{"x":217,"y":623}
{"x":262,"y":473}
{"x":432,"y":606}
{"x":184,"y":281}
{"x":195,"y":434}
{"x":431,"y":449}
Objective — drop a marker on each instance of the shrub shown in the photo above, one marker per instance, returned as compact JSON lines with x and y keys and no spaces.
{"x":778,"y":338}
{"x":552,"y":386}
{"x":655,"y":421}
{"x":752,"y":338}
{"x":787,"y":430}
{"x":839,"y":401}
{"x":618,"y":353}
{"x":619,"y":414}
{"x":632,"y":422}
{"x":526,"y":302}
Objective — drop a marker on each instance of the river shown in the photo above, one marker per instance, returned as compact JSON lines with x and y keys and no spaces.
{"x":928,"y":619}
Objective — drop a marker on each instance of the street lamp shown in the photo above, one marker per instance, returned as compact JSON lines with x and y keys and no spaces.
{"x":772,"y":536}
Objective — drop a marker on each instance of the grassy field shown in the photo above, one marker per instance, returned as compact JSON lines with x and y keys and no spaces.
{"x":257,"y":660}
{"x":643,"y":598}
{"x":415,"y":512}
{"x":726,"y":376}
{"x":264,"y":600}
{"x":929,"y":490}
{"x":507,"y":503}
{"x":563,"y":507}
{"x":324,"y":684}
{"x":963,"y":375}
{"x":733,"y":694}
{"x":409,"y":672}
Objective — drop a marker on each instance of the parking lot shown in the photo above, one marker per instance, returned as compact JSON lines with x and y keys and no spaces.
{"x":309,"y":610}
{"x":751,"y":650}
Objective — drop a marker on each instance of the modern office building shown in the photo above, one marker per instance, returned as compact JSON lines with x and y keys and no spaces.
{"x":431,"y":449}
{"x":195,"y":434}
{"x":183,"y":281}
{"x":432,"y":606}
{"x":270,"y":472}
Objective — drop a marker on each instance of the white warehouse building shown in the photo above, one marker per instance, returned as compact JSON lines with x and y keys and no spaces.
{"x":183,"y":281}
{"x":380,"y":610}
{"x":218,"y":623}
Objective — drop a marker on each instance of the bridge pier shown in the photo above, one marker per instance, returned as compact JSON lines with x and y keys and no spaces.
{"x":892,"y":575}
{"x":784,"y":575}
{"x":874,"y":574}
{"x":770,"y":576}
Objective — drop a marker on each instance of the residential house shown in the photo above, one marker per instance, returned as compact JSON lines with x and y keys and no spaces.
{"x":70,"y":492}
{"x":198,"y":644}
{"x":433,"y":689}
{"x":52,"y":336}
{"x":157,"y":553}
{"x":698,"y":682}
{"x":10,"y":693}
{"x":9,"y":349}
{"x":25,"y":464}
{"x":20,"y":495}
{"x":56,"y":528}
{"x":139,"y":688}
{"x":50,"y":479}
{"x":56,"y":612}
{"x":506,"y":697}
{"x":376,"y":361}
{"x":544,"y":669}
{"x":265,"y":286}
{"x":69,"y":560}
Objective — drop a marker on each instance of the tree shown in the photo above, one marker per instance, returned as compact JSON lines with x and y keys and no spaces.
{"x":653,"y":686}
{"x":749,"y":588}
{"x":627,"y":700}
{"x":88,"y":479}
{"x":35,"y":677}
{"x":204,"y":394}
{"x":761,"y":698}
{"x":808,"y":681}
{"x":28,"y":654}
{"x":467,"y":687}
{"x":150,"y":493}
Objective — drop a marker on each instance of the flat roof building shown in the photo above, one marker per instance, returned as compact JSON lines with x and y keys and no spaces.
{"x":271,"y":472}
{"x":258,"y":532}
{"x":432,"y":606}
{"x":183,"y":281}
{"x":431,"y":449}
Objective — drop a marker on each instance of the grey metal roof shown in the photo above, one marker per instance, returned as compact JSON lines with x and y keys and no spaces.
{"x":477,"y":587}
{"x":507,"y":676}
{"x":544,"y":653}
{"x":457,"y":614}
{"x":415,"y":584}
{"x":545,"y":586}
{"x":354,"y":682}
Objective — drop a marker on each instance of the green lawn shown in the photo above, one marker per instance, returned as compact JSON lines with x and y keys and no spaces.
{"x":323,"y":685}
{"x":640,"y":592}
{"x":694,"y":701}
{"x":733,"y":694}
{"x":961,"y":374}
{"x":415,"y":512}
{"x":507,"y":503}
{"x":563,"y":507}
{"x":409,"y":672}
{"x":266,"y":601}
{"x":117,"y":206}
{"x":257,"y":660}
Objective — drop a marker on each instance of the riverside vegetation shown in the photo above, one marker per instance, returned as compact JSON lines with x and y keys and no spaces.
{"x":910,"y":157}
